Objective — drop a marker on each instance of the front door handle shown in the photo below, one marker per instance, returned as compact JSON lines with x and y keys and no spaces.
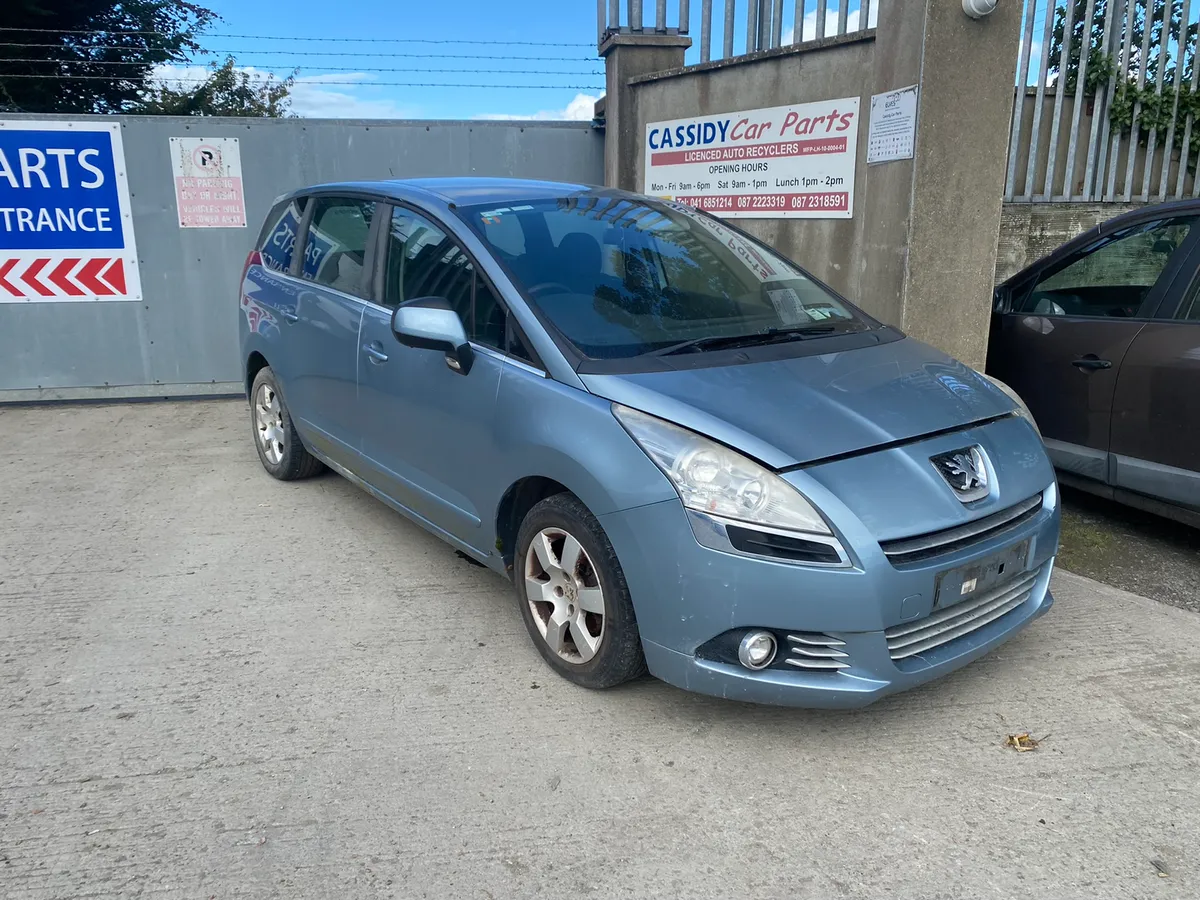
{"x":290,"y":317}
{"x":375,"y":352}
{"x":1091,"y":362}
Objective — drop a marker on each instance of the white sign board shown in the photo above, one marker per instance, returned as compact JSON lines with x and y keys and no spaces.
{"x":893,"y":130}
{"x":789,"y":162}
{"x":66,"y":228}
{"x":208,"y":182}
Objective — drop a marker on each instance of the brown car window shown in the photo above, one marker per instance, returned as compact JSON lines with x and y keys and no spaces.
{"x":1112,"y":277}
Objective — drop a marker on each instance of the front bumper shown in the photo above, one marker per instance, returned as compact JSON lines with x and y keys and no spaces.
{"x":686,"y":594}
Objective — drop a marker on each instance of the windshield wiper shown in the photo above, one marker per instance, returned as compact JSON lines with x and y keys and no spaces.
{"x":728,"y":342}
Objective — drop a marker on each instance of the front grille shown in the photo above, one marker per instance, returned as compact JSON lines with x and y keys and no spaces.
{"x":961,"y":619}
{"x":927,"y":546}
{"x":816,"y":652}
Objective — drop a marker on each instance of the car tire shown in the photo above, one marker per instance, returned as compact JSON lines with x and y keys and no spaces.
{"x":559,"y":604}
{"x":279,"y":447}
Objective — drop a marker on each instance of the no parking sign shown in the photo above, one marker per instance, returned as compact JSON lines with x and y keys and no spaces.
{"x":66,"y":228}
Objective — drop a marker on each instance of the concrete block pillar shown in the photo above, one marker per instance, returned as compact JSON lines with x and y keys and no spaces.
{"x":933,"y":222}
{"x":626,"y":56}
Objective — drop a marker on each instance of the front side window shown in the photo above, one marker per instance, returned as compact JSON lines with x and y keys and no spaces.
{"x":424,"y":261}
{"x":335,"y":250}
{"x":621,"y":277}
{"x":1112,"y":277}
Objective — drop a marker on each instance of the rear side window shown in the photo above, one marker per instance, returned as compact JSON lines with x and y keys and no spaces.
{"x":277,"y":240}
{"x":335,"y":249}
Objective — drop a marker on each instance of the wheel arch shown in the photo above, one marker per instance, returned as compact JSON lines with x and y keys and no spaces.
{"x":255,"y":363}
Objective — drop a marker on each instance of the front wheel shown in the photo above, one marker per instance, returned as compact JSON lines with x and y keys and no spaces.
{"x":573,"y":596}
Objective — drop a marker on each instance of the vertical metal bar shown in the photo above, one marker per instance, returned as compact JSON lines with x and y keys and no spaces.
{"x":727,"y":32}
{"x":1110,"y":192}
{"x":705,"y":30}
{"x":1098,"y":141}
{"x":1060,"y":89}
{"x":635,"y":15}
{"x":1160,"y":73}
{"x":685,"y":13}
{"x":777,"y":24}
{"x":1185,"y":150}
{"x":1181,"y":51}
{"x":764,"y":24}
{"x":1147,"y":21}
{"x":1085,"y":50}
{"x":601,"y":19}
{"x":752,"y":26}
{"x":660,"y":16}
{"x":865,"y":12}
{"x":1014,"y":134}
{"x":798,"y":21}
{"x":843,"y":15}
{"x":1035,"y":133}
{"x":820,"y":32}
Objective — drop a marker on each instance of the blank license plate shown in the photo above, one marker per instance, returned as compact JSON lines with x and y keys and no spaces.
{"x":976,"y":579}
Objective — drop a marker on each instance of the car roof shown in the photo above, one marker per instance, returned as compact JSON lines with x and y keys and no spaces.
{"x":464,"y":191}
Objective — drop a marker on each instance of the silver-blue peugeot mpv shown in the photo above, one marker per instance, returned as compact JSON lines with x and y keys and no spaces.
{"x":688,"y":455}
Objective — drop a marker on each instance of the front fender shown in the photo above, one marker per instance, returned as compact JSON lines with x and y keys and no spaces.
{"x":548,"y":429}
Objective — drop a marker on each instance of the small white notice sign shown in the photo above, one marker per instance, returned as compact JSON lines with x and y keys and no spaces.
{"x":893,"y":127}
{"x":208,"y":182}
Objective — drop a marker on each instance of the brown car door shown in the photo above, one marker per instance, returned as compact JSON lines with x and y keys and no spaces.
{"x":1156,"y":408}
{"x":1062,"y":330}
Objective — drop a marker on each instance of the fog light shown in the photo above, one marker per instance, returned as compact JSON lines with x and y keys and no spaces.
{"x":757,"y":649}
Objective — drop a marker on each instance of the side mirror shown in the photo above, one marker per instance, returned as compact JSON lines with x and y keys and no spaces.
{"x":430,"y":323}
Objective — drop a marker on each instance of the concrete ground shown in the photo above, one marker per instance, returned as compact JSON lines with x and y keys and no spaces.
{"x":216,"y":685}
{"x":1130,"y":549}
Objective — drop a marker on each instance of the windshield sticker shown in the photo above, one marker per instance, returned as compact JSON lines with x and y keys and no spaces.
{"x":492,"y":216}
{"x":788,"y":306}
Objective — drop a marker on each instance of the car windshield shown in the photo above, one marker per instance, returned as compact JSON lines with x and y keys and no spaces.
{"x":622,"y":277}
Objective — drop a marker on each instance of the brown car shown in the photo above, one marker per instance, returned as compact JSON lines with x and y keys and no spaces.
{"x":1102,"y":340}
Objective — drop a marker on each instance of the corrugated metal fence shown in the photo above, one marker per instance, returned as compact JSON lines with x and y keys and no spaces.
{"x":1116,"y":121}
{"x":182,"y":337}
{"x":750,"y":25}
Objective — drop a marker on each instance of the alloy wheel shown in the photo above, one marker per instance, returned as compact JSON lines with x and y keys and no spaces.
{"x":564,"y":594}
{"x":268,"y":415}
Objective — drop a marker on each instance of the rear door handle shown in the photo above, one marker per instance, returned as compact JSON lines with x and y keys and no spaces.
{"x":290,"y":317}
{"x":1091,"y":362}
{"x":375,"y":352}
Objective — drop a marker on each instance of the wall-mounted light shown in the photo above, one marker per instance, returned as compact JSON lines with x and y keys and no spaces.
{"x":977,"y":9}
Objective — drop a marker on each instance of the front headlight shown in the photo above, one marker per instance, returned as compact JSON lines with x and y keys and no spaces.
{"x":715,"y":480}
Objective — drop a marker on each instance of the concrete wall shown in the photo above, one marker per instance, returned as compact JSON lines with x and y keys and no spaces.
{"x":182,"y":338}
{"x":1029,"y":231}
{"x":920,"y":249}
{"x":838,"y":67}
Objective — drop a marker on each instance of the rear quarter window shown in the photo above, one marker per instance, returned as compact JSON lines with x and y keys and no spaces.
{"x":277,"y":240}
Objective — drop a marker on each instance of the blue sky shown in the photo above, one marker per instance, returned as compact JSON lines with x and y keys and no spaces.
{"x":339,"y":74}
{"x":557,"y":21}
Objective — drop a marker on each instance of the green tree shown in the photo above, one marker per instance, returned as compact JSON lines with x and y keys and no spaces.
{"x":227,"y":91}
{"x":91,"y":56}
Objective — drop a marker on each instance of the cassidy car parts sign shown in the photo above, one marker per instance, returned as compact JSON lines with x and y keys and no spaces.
{"x":66,"y":229}
{"x":783,"y":162}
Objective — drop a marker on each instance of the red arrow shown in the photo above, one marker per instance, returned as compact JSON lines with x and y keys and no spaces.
{"x":59,"y":277}
{"x":4,"y":270}
{"x":87,"y":276}
{"x":30,"y":277}
{"x":115,"y":275}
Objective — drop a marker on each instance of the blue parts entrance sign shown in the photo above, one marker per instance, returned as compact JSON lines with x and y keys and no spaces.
{"x":66,"y":227}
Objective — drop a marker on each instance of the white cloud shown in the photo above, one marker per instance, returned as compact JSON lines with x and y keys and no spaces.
{"x":312,"y":96}
{"x":581,"y":109}
{"x":809,"y":30}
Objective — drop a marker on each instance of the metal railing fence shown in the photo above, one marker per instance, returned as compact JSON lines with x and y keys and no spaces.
{"x":741,"y":26}
{"x":1115,"y":122}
